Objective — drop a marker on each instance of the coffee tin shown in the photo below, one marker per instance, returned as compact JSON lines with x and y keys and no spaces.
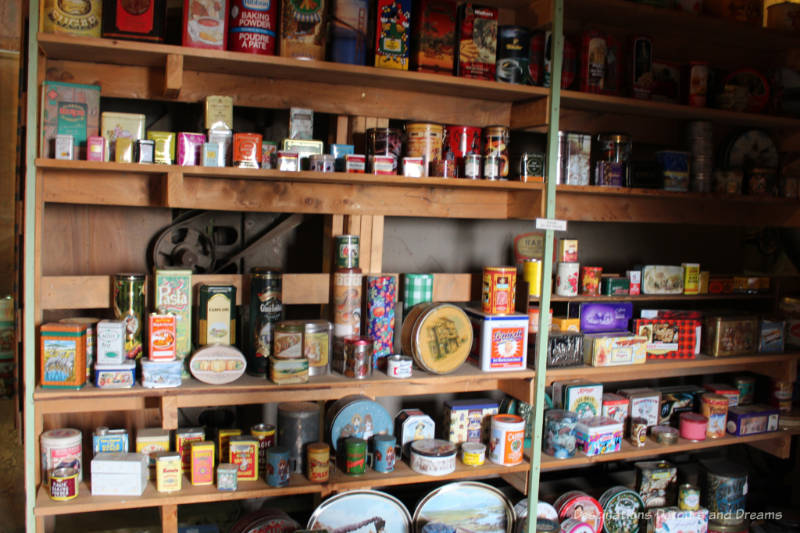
{"x":399,"y":366}
{"x":253,"y":26}
{"x":129,"y":305}
{"x":265,"y":433}
{"x":499,"y":290}
{"x":495,"y":143}
{"x":513,"y":54}
{"x":64,"y":484}
{"x":266,"y":309}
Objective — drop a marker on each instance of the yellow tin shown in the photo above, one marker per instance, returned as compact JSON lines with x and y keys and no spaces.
{"x":532,"y":273}
{"x":243,"y":452}
{"x":223,"y":437}
{"x":152,"y":440}
{"x":168,"y":471}
{"x":202,"y":463}
{"x":319,"y":455}
{"x":75,"y":17}
{"x":691,"y":278}
{"x":473,"y":453}
{"x":63,"y":484}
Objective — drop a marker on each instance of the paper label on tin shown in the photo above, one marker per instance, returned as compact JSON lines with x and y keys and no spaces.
{"x":553,"y":224}
{"x":507,"y":347}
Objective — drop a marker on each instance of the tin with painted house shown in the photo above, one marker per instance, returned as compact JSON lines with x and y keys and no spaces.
{"x":173,"y":294}
{"x":468,"y":420}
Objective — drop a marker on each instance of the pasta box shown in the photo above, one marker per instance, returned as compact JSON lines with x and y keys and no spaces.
{"x":611,"y":349}
{"x":137,"y":20}
{"x":645,"y":403}
{"x":500,"y":341}
{"x":563,"y":349}
{"x":476,"y":41}
{"x":598,"y":435}
{"x":579,"y":396}
{"x":668,"y":338}
{"x":411,"y":425}
{"x":771,"y":336}
{"x":468,"y":420}
{"x":599,"y":317}
{"x":119,"y":474}
{"x":173,"y":294}
{"x":730,"y":335}
{"x":434,"y":38}
{"x":752,"y":419}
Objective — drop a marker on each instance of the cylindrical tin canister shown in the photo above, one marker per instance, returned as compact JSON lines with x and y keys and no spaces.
{"x":349,"y":31}
{"x":507,"y":435}
{"x":747,"y":389}
{"x":698,"y":83}
{"x":495,"y":143}
{"x":347,"y":302}
{"x":266,"y":309}
{"x":559,"y":433}
{"x":532,"y":273}
{"x":319,"y":458}
{"x":432,"y":457}
{"x":64,"y":484}
{"x":719,"y":527}
{"x":622,"y":508}
{"x":473,"y":453}
{"x":253,"y":26}
{"x":288,"y":339}
{"x":355,"y":456}
{"x":691,"y":278}
{"x":129,"y":304}
{"x":357,"y":357}
{"x":417,"y":288}
{"x":590,"y":280}
{"x":79,"y":17}
{"x":399,"y":366}
{"x":61,"y":448}
{"x":491,"y":167}
{"x":638,"y":435}
{"x":298,"y":424}
{"x":781,"y":396}
{"x":424,"y":140}
{"x":463,"y":141}
{"x":612,"y":155}
{"x":472,"y":167}
{"x":318,"y":346}
{"x":725,"y":492}
{"x":383,"y":453}
{"x":265,"y":433}
{"x":346,"y":248}
{"x":688,"y":497}
{"x":567,"y":279}
{"x":381,"y":299}
{"x":693,"y":426}
{"x":498,"y":295}
{"x":513,"y":54}
{"x":715,"y":408}
{"x":664,"y":434}
{"x":278,"y":466}
{"x":385,"y":142}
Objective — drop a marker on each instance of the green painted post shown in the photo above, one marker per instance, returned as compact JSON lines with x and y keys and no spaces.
{"x":557,"y":47}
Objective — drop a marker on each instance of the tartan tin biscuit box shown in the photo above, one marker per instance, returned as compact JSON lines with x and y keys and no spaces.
{"x":468,"y":420}
{"x":668,"y":338}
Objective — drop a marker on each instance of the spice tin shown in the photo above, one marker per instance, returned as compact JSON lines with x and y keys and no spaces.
{"x":129,"y":303}
{"x":357,"y":358}
{"x":567,"y":275}
{"x":693,"y":426}
{"x":347,"y":302}
{"x":664,"y":434}
{"x":476,"y":37}
{"x":162,"y":332}
{"x":202,"y":458}
{"x":216,"y":322}
{"x":432,"y":457}
{"x":560,"y":439}
{"x":164,"y":149}
{"x":513,"y":54}
{"x":319,"y":456}
{"x":161,"y":374}
{"x":688,"y":497}
{"x":747,"y":389}
{"x":265,"y":433}
{"x":302,"y":29}
{"x":253,"y":26}
{"x":356,"y":416}
{"x":355,"y":163}
{"x":168,"y":471}
{"x":173,"y":294}
{"x":501,"y":342}
{"x":384,"y":142}
{"x":183,"y":439}
{"x":468,"y":420}
{"x":82,"y":17}
{"x":473,"y":453}
{"x":227,"y":477}
{"x":424,"y":140}
{"x":288,"y":161}
{"x":243,"y":451}
{"x":725,"y":490}
{"x":266,"y":309}
{"x":622,"y":508}
{"x":298,"y":425}
{"x":433,"y":38}
{"x":285,"y":371}
{"x":64,"y":484}
{"x":656,"y":482}
{"x":399,"y":366}
{"x":63,"y":356}
{"x":495,"y":143}
{"x":117,"y":376}
{"x":349,"y":31}
{"x":223,"y":436}
{"x":590,"y":280}
{"x":439,"y":337}
{"x":318,"y":346}
{"x":322,"y":163}
{"x":598,"y":435}
{"x":109,"y":440}
{"x":392,"y":34}
{"x":499,"y":290}
{"x":61,"y":448}
{"x":578,"y":505}
{"x":715,"y":408}
{"x":288,"y":339}
{"x":90,"y":323}
{"x":506,"y":436}
{"x":381,"y":300}
{"x":638,"y":431}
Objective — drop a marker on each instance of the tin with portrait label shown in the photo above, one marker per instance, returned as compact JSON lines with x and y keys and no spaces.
{"x":499,"y":289}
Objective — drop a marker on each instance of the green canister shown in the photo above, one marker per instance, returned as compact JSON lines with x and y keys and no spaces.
{"x":266,"y":309}
{"x":417,"y":289}
{"x":746,"y":385}
{"x":129,"y":303}
{"x":216,"y":314}
{"x":346,"y":251}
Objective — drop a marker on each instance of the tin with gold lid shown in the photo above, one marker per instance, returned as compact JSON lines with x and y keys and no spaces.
{"x":438,"y":337}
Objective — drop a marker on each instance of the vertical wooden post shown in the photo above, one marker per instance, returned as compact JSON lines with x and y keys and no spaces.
{"x":169,"y":412}
{"x":169,"y":518}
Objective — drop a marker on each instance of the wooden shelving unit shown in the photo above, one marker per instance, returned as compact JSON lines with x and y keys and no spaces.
{"x":663,"y":298}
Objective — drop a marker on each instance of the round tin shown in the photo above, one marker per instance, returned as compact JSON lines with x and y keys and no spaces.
{"x":747,"y":389}
{"x":506,"y":436}
{"x":664,"y":434}
{"x":491,"y":167}
{"x":545,"y":526}
{"x":346,"y":248}
{"x":129,"y":304}
{"x":425,"y":140}
{"x":544,"y":511}
{"x":441,"y":338}
{"x":715,"y":408}
{"x":495,"y":142}
{"x":463,"y":141}
{"x":64,"y":484}
{"x":266,"y":309}
{"x":253,"y":26}
{"x":579,"y":505}
{"x":590,"y":280}
{"x":459,"y":499}
{"x":319,"y":457}
{"x":532,"y":273}
{"x":473,"y":453}
{"x":61,"y":448}
{"x":432,"y":457}
{"x":385,"y":142}
{"x":347,"y":302}
{"x":693,"y":426}
{"x":513,"y":54}
{"x":688,"y":497}
{"x":344,"y":510}
{"x":288,"y":339}
{"x":567,"y":279}
{"x":318,"y":346}
{"x":322,"y":162}
{"x":356,"y":416}
{"x":622,"y":508}
{"x":265,"y":433}
{"x":638,"y":433}
{"x":79,"y":17}
{"x":499,"y":290}
{"x":399,"y":366}
{"x":298,"y":424}
{"x":269,"y":519}
{"x":719,"y":527}
{"x":559,"y":433}
{"x":725,"y":492}
{"x":357,"y":357}
{"x":472,"y":167}
{"x":573,"y":525}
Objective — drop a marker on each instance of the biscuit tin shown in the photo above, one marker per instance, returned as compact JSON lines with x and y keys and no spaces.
{"x":771,"y":336}
{"x":432,"y":457}
{"x":662,"y":279}
{"x":119,"y":474}
{"x":459,"y":499}
{"x":656,"y":482}
{"x":285,"y":371}
{"x":202,"y":459}
{"x":612,"y":349}
{"x":725,"y":490}
{"x":288,"y":339}
{"x":440,"y":339}
{"x":142,"y":20}
{"x":216,"y":317}
{"x":732,"y":335}
{"x":501,"y":342}
{"x":62,"y":356}
{"x":169,"y":473}
{"x":61,"y":448}
{"x":357,"y":416}
{"x":468,"y":420}
{"x":115,"y":376}
{"x":669,"y":338}
{"x":752,"y":419}
{"x":476,"y":41}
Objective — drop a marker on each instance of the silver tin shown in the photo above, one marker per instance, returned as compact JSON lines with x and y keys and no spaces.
{"x":298,"y":424}
{"x":316,"y":348}
{"x":399,"y":366}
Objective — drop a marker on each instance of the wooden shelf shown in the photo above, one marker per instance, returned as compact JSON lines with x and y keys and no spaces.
{"x":621,"y":204}
{"x":239,"y":189}
{"x":660,"y":298}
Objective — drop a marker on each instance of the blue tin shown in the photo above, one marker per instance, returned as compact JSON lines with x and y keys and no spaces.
{"x":560,"y":439}
{"x":349,"y":31}
{"x":356,"y":416}
{"x":116,"y":376}
{"x":161,"y":374}
{"x":278,"y":468}
{"x":339,"y":151}
{"x":383,"y":453}
{"x":110,"y":440}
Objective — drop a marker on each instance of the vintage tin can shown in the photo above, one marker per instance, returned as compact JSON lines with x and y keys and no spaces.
{"x":269,"y":151}
{"x":747,"y":389}
{"x":414,"y":167}
{"x":384,"y":165}
{"x":499,"y":290}
{"x":64,"y":484}
{"x":302,"y":27}
{"x":165,"y":145}
{"x":79,"y":17}
{"x":530,"y":167}
{"x":417,"y":289}
{"x":223,"y":437}
{"x":725,"y":490}
{"x":218,"y":113}
{"x":384,"y":142}
{"x":590,"y":280}
{"x":622,"y":509}
{"x":109,"y":440}
{"x":318,"y":346}
{"x":319,"y":457}
{"x":464,"y":142}
{"x":381,"y":300}
{"x":715,"y":408}
{"x":697,"y":80}
{"x":288,"y":161}
{"x":202,"y":458}
{"x":119,"y":376}
{"x":355,"y":163}
{"x":298,"y":425}
{"x":567,"y":279}
{"x":719,"y":527}
{"x":612,"y":156}
{"x":472,"y":167}
{"x":322,"y":163}
{"x":96,"y":148}
{"x":399,"y":366}
{"x":688,"y":497}
{"x":227,"y":477}
{"x":569,"y":66}
{"x":473,"y":453}
{"x":513,"y":54}
{"x":162,"y":374}
{"x":169,"y":473}
{"x":265,"y":433}
{"x":266,"y":309}
{"x":346,"y":249}
{"x":216,"y":318}
{"x":532,"y":274}
{"x":638,"y":432}
{"x":278,"y":466}
{"x":205,"y":24}
{"x":61,"y":448}
{"x":247,"y":150}
{"x":184,"y":437}
{"x":243,"y":451}
{"x":129,"y":304}
{"x":69,"y":108}
{"x":90,"y":323}
{"x":507,"y":433}
{"x":730,"y":335}
{"x":123,"y":150}
{"x":347,"y":302}
{"x":152,"y":440}
{"x":64,"y":147}
{"x":223,"y":138}
{"x":288,"y":339}
{"x":433,"y":38}
{"x":432,"y":457}
{"x":781,"y":395}
{"x":161,"y":333}
{"x":693,"y":426}
{"x":641,"y":70}
{"x":441,"y":168}
{"x":173,"y":294}
{"x":144,"y":151}
{"x":594,"y":55}
{"x":137,"y":21}
{"x":476,"y":39}
{"x":424,"y":140}
{"x":349,"y":31}
{"x":253,"y":26}
{"x":495,"y":143}
{"x":356,"y":360}
{"x":691,"y":278}
{"x":285,"y":371}
{"x":392,"y":34}
{"x":63,"y":361}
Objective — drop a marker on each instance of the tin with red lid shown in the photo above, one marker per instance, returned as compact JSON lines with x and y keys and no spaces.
{"x":253,"y":26}
{"x":579,"y":505}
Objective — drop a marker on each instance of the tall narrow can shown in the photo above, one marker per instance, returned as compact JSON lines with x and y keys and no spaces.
{"x":265,"y":433}
{"x":381,"y":299}
{"x":498,"y":293}
{"x":216,"y":317}
{"x":253,"y":26}
{"x":347,"y":302}
{"x":495,"y":143}
{"x":266,"y":309}
{"x":129,"y":302}
{"x":346,"y":249}
{"x":173,"y":291}
{"x":513,"y":54}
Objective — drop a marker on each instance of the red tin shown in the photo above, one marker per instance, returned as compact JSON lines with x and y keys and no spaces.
{"x":253,"y":26}
{"x":138,"y":20}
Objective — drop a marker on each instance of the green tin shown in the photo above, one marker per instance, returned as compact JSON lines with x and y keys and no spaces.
{"x":216,"y":314}
{"x":129,"y":302}
{"x":615,"y":286}
{"x":346,"y":251}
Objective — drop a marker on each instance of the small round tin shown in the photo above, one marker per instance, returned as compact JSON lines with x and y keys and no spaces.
{"x":473,"y":453}
{"x":491,"y":167}
{"x":472,"y":166}
{"x":567,"y":275}
{"x":495,"y":143}
{"x":579,"y":505}
{"x":688,"y":497}
{"x":664,"y":434}
{"x":433,"y":457}
{"x":357,"y":357}
{"x":322,"y":162}
{"x":318,"y":455}
{"x":693,"y":426}
{"x":346,"y":248}
{"x":399,"y":366}
{"x":63,"y":484}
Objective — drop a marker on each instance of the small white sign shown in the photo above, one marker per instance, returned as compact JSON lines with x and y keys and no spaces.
{"x":551,"y":224}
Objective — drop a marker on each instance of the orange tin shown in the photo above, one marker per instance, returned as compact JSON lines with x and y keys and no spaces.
{"x":590,"y":280}
{"x":499,"y":285}
{"x":202,"y":463}
{"x":715,"y":408}
{"x":163,"y":330}
{"x":247,"y":150}
{"x":63,"y":355}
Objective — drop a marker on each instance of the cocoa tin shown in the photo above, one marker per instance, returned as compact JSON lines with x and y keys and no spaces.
{"x":137,"y":20}
{"x":253,"y":26}
{"x":205,"y":24}
{"x":476,"y":41}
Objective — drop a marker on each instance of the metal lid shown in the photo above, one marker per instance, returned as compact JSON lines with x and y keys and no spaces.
{"x":614,"y":137}
{"x":358,"y":341}
{"x":131,"y":276}
{"x":265,"y":272}
{"x":64,"y":472}
{"x":318,"y":326}
{"x":292,"y":326}
{"x":298,"y":409}
{"x":433,"y":447}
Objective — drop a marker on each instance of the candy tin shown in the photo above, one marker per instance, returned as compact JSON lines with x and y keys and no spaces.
{"x":688,"y":497}
{"x":109,"y":440}
{"x":432,"y":457}
{"x":600,"y":317}
{"x":356,"y":416}
{"x":227,"y":477}
{"x":468,"y":420}
{"x":253,"y":26}
{"x":64,"y":484}
{"x":501,"y":342}
{"x":169,"y":472}
{"x":579,"y":505}
{"x":473,"y":453}
{"x":560,"y":439}
{"x":612,"y":349}
{"x":63,"y":356}
{"x":506,"y":439}
{"x":656,"y":482}
{"x":598,"y":435}
{"x":399,"y":366}
{"x":622,"y":508}
{"x":202,"y":459}
{"x":693,"y":426}
{"x":61,"y":448}
{"x":96,"y":148}
{"x":352,"y":509}
{"x":725,"y":490}
{"x":664,"y":434}
{"x":161,"y":374}
{"x":115,"y":376}
{"x":243,"y":453}
{"x":440,"y":339}
{"x":119,"y":474}
{"x":412,"y":425}
{"x":453,"y":505}
{"x":669,"y":519}
{"x":677,"y":400}
{"x":752,"y":419}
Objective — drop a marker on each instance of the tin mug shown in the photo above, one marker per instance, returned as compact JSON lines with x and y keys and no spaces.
{"x":384,"y":453}
{"x":356,"y":457}
{"x":278,"y":467}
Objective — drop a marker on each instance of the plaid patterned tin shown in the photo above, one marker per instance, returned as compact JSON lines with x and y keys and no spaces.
{"x":668,"y":338}
{"x":417,"y":289}
{"x":381,"y":297}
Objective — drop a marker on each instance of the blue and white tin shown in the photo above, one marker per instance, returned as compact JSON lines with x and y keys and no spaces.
{"x":356,"y":416}
{"x":384,"y":453}
{"x":110,"y":440}
{"x":278,"y":467}
{"x":161,"y":374}
{"x":560,"y":439}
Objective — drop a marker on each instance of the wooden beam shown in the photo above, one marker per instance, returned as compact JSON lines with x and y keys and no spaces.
{"x":173,"y":75}
{"x":169,"y":412}
{"x":169,"y":518}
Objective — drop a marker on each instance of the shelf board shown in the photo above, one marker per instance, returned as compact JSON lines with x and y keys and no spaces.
{"x":659,"y":298}
{"x":240,"y":189}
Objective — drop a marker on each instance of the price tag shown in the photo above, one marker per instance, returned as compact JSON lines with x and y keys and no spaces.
{"x":551,"y":224}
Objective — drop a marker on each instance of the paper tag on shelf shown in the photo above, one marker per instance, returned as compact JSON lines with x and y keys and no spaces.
{"x":551,"y":224}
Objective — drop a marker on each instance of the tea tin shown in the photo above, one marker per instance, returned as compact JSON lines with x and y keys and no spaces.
{"x":253,"y":26}
{"x":129,"y":304}
{"x":288,"y":161}
{"x":216,"y":318}
{"x":63,"y":484}
{"x":169,"y":471}
{"x":202,"y":457}
{"x":355,"y":163}
{"x":227,"y":477}
{"x":322,"y":163}
{"x":247,"y":150}
{"x":243,"y":452}
{"x":266,"y":309}
{"x":164,"y":149}
{"x":173,"y":294}
{"x":190,"y":148}
{"x":137,"y":21}
{"x":432,"y":457}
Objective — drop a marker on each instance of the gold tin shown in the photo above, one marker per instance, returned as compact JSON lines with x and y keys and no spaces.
{"x":74,"y":17}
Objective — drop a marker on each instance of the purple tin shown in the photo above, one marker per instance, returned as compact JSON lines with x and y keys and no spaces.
{"x":607,"y":316}
{"x":381,"y":299}
{"x":190,"y":146}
